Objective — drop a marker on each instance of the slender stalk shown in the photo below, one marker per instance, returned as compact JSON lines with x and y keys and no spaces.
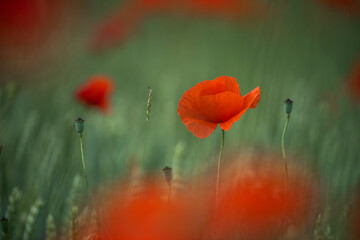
{"x":283,"y":152}
{"x":143,"y":155}
{"x":168,"y":176}
{"x":83,"y":165}
{"x":169,"y":193}
{"x":285,"y":166}
{"x":218,"y":168}
{"x":148,"y":110}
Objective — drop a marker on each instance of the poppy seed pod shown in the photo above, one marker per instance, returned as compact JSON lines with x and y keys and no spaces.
{"x":79,"y":125}
{"x":288,"y":106}
{"x":167,"y":171}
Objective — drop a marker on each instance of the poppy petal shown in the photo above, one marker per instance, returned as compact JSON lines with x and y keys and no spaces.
{"x":250,"y":101}
{"x":218,"y":85}
{"x":220,"y":107}
{"x":192,"y":119}
{"x":105,"y":106}
{"x":253,"y":97}
{"x":200,"y":128}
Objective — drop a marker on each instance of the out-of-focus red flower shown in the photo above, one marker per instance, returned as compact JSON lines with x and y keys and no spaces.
{"x":214,"y":102}
{"x":118,"y":26}
{"x":351,"y":7}
{"x":228,"y":9}
{"x":251,"y":201}
{"x":150,"y":216}
{"x":355,"y":218}
{"x":129,"y":16}
{"x":32,"y":32}
{"x":25,"y":23}
{"x":95,"y":92}
{"x":158,"y":6}
{"x":354,"y":82}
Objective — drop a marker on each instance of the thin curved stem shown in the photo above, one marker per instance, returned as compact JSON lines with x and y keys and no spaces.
{"x":218,"y":168}
{"x":83,"y":165}
{"x":285,"y":166}
{"x":144,"y":149}
{"x":283,"y":151}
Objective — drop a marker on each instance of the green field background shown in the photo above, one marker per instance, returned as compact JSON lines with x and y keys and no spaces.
{"x":297,"y":49}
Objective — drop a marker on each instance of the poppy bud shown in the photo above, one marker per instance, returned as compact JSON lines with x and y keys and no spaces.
{"x":167,"y":171}
{"x":79,"y":125}
{"x":288,"y":106}
{"x":5,"y":225}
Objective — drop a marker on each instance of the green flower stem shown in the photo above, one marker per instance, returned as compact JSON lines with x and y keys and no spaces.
{"x":144,"y":149}
{"x":169,"y":193}
{"x":283,"y":151}
{"x":218,"y":168}
{"x":286,"y":168}
{"x":83,"y":164}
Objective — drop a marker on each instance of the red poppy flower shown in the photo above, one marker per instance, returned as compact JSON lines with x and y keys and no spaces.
{"x":214,"y":102}
{"x":354,"y":82}
{"x":149,"y":215}
{"x":96,"y":92}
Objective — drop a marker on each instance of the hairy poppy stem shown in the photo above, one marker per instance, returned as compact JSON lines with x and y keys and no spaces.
{"x":284,"y":155}
{"x":286,"y":170}
{"x":288,"y":104}
{"x":283,"y":144}
{"x":218,"y":169}
{"x":83,"y":164}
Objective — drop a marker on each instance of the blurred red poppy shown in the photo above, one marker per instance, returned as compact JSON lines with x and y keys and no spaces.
{"x":28,"y":23}
{"x":214,"y":102}
{"x":129,"y":16}
{"x":32,"y":32}
{"x":351,"y":7}
{"x":355,"y":218}
{"x":228,"y":9}
{"x":354,"y":82}
{"x":96,"y":92}
{"x":118,"y":26}
{"x":149,"y":215}
{"x":251,"y":204}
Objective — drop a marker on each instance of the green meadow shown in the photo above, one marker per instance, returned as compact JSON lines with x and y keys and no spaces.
{"x":296,"y":49}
